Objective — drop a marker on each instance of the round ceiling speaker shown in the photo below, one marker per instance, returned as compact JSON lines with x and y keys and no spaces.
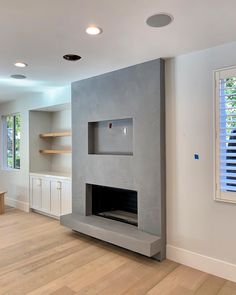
{"x":159,"y":20}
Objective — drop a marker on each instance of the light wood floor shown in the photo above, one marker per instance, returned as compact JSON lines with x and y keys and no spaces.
{"x":38,"y":256}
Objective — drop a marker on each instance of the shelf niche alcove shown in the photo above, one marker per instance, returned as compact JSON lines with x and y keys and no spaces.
{"x":50,"y":140}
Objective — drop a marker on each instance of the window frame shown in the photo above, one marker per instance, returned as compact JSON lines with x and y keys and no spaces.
{"x":227,"y":197}
{"x":5,"y":140}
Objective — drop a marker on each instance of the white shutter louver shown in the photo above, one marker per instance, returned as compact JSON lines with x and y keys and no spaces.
{"x":226,"y":105}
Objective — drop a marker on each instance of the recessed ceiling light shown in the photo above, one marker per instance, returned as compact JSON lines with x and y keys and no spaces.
{"x":17,"y":76}
{"x":93,"y":30}
{"x":71,"y":57}
{"x":159,"y":20}
{"x":20,"y":64}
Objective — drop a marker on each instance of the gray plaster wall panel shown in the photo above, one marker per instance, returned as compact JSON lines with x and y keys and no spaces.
{"x":136,"y":92}
{"x":114,"y":171}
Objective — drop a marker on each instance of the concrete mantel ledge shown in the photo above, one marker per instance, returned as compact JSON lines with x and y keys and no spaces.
{"x":114,"y":232}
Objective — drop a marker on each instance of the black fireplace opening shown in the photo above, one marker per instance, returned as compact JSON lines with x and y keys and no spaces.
{"x":115,"y":203}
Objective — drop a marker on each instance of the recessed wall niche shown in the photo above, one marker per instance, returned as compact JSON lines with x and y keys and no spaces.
{"x":111,"y":137}
{"x":49,"y":146}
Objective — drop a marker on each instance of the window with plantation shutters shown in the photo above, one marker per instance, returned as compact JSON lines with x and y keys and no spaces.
{"x":225,"y":103}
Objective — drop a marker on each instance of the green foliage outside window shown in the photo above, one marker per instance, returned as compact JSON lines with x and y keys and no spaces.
{"x":13,"y":126}
{"x":230,"y":100}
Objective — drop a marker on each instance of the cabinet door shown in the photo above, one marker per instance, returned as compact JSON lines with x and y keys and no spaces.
{"x":56,"y":187}
{"x":66,"y":199}
{"x":46,"y":197}
{"x":36,"y":193}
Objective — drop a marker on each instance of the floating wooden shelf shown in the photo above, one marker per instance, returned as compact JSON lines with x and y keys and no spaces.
{"x":55,"y":134}
{"x":68,"y":151}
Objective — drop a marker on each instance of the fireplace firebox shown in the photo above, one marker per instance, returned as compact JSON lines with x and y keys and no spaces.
{"x":115,"y":203}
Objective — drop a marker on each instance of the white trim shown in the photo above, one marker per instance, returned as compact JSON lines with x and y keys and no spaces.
{"x":224,"y":68}
{"x":227,"y":73}
{"x":4,"y":142}
{"x":217,"y":192}
{"x":204,"y":263}
{"x":17,"y":204}
{"x":226,"y":197}
{"x":215,"y":140}
{"x":46,"y":214}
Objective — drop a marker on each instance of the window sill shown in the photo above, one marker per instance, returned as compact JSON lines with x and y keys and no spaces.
{"x":226,"y":200}
{"x":10,"y":170}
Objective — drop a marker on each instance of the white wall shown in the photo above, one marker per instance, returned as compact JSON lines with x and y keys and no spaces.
{"x":196,"y":224}
{"x":17,"y":182}
{"x":61,"y":121}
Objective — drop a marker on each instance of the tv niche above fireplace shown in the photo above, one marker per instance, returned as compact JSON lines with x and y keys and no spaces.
{"x":114,"y":203}
{"x":111,"y":137}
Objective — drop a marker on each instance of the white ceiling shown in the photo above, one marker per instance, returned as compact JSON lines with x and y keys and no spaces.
{"x":41,"y":32}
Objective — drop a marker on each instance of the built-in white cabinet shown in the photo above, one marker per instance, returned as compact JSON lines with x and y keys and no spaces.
{"x":36,"y":195}
{"x":45,"y":195}
{"x":50,"y":194}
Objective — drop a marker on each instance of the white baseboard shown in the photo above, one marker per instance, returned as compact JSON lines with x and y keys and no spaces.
{"x":17,"y":204}
{"x":207,"y":264}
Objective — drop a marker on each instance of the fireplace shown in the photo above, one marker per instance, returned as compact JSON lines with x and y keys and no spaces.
{"x":114,"y":203}
{"x":118,"y":178}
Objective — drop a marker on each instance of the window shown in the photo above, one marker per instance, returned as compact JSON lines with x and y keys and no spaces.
{"x":11,"y":149}
{"x":226,"y":135}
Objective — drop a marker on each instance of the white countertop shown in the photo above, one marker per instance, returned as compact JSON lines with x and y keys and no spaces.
{"x":61,"y":175}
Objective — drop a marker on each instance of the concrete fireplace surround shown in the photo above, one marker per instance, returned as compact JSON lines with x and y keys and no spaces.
{"x":136,"y":93}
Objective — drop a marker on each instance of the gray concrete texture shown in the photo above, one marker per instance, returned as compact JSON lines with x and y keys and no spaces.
{"x":135,"y":92}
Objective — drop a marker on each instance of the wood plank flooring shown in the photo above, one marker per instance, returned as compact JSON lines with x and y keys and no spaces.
{"x":40,"y":257}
